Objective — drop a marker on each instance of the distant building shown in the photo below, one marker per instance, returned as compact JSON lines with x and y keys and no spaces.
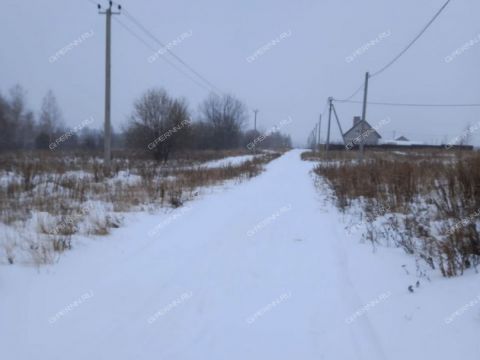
{"x":361,"y":132}
{"x":402,"y":141}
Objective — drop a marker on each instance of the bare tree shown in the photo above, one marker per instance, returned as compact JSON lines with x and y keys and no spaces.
{"x":16,"y":116}
{"x":466,"y":137}
{"x":28,"y":131}
{"x":276,"y":140}
{"x":50,"y":119}
{"x":158,"y":123}
{"x":228,"y":116}
{"x":17,"y":99}
{"x":8,"y":132}
{"x":201,"y":137}
{"x":17,"y":122}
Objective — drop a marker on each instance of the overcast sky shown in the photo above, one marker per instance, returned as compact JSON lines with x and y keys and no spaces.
{"x":293,"y":78}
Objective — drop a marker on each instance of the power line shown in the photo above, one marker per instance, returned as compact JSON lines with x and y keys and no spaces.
{"x":396,"y":58}
{"x":407,"y":104}
{"x":355,"y":93}
{"x":138,"y":37}
{"x":163,"y":57}
{"x":413,"y":41}
{"x":155,"y":50}
{"x":153,"y":37}
{"x":211,"y":88}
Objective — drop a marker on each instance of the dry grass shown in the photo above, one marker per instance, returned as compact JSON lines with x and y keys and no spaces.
{"x":67,"y":195}
{"x":435,"y":198}
{"x":333,"y":155}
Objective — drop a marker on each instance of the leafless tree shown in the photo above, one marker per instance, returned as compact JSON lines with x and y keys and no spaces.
{"x":50,"y":119}
{"x":228,"y":116}
{"x":7,"y":133}
{"x":17,"y":122}
{"x":158,"y":123}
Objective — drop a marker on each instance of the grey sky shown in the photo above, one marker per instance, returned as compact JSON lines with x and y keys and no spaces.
{"x":293,"y":78}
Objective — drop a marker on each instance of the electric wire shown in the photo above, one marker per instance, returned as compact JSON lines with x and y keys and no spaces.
{"x":129,"y":30}
{"x":406,"y":104}
{"x":178,"y":58}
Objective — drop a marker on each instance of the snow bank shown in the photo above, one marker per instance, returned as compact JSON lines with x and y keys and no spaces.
{"x":228,"y":161}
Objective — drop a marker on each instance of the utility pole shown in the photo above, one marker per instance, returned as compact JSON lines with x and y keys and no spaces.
{"x":255,"y":121}
{"x":364,"y":114}
{"x":107,"y":156}
{"x":330,"y":99}
{"x":338,"y":123}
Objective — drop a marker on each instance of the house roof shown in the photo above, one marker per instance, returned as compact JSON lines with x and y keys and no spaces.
{"x":366,"y":127}
{"x":402,"y":138}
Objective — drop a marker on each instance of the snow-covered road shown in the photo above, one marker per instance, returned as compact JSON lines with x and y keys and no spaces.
{"x":262,"y":270}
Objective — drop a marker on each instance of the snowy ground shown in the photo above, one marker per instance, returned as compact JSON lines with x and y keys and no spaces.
{"x":231,"y":160}
{"x":261,"y":270}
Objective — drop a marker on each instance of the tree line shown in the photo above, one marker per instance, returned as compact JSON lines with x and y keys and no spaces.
{"x":159,"y":124}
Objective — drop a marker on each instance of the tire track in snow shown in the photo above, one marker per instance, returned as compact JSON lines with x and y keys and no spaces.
{"x":350,"y":295}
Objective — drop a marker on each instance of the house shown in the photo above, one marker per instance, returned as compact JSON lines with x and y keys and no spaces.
{"x":361,"y":132}
{"x":401,"y":138}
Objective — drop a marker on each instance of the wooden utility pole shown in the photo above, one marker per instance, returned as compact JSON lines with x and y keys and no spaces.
{"x":338,"y":123}
{"x":255,"y":121}
{"x":330,"y":99}
{"x":364,"y":114}
{"x":107,"y":143}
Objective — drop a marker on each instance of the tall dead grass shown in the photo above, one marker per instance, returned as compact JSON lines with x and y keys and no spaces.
{"x":60,"y":190}
{"x":436,"y":200}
